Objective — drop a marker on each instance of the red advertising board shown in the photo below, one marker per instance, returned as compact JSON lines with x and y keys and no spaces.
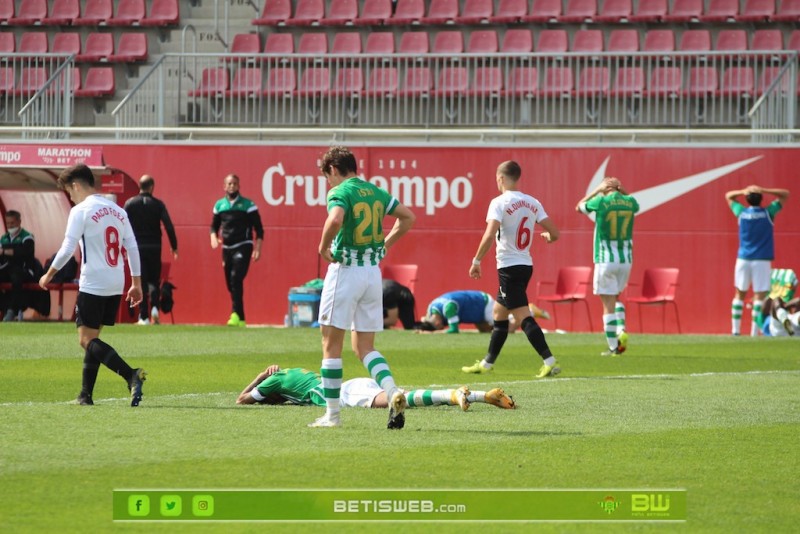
{"x":685,"y":221}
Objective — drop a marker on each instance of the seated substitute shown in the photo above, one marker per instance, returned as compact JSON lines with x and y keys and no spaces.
{"x":303,"y":387}
{"x":779,"y":314}
{"x":398,"y":305}
{"x":465,"y":306}
{"x":17,"y":263}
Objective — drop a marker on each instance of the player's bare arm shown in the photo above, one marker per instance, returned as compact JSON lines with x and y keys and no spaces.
{"x":486,"y":243}
{"x":405,"y":220}
{"x":332,"y":226}
{"x":257,"y":250}
{"x":551,"y":232}
{"x":244,"y":396}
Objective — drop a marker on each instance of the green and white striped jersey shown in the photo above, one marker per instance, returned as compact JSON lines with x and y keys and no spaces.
{"x":783,"y":284}
{"x":360,"y":240}
{"x":613,"y":230}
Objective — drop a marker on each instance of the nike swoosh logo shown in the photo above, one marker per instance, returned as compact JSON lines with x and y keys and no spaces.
{"x":655,"y":196}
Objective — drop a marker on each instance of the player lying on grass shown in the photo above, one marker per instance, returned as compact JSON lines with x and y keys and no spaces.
{"x":301,"y":386}
{"x":465,"y":307}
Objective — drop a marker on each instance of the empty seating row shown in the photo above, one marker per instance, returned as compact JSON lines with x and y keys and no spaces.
{"x":98,"y":82}
{"x":95,"y":12}
{"x":485,"y":81}
{"x":131,"y":46}
{"x":377,"y":12}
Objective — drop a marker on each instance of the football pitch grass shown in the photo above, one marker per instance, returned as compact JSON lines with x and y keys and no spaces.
{"x":715,"y":415}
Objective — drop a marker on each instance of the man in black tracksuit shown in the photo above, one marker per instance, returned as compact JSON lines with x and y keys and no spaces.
{"x":146,"y":214}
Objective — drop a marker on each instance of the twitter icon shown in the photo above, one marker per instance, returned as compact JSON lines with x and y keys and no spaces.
{"x":171,"y":505}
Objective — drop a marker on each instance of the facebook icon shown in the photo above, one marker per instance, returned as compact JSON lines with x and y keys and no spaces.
{"x":138,"y":505}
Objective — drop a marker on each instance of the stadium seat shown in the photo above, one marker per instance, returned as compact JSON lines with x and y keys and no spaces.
{"x":245,"y":43}
{"x":340,"y":13}
{"x":593,"y":81}
{"x":789,"y":11}
{"x":315,"y":81}
{"x":695,"y":41}
{"x":162,"y":13}
{"x":131,"y":47}
{"x":721,"y":11}
{"x":448,"y":42}
{"x":374,"y":13}
{"x":99,"y":82}
{"x":684,"y":11}
{"x":30,"y":12}
{"x":517,"y":41}
{"x":66,"y":43}
{"x":543,"y":11}
{"x":703,"y":82}
{"x":794,"y":41}
{"x":307,"y":13}
{"x":349,"y":82}
{"x":572,"y":285}
{"x":275,"y":13}
{"x":659,"y":41}
{"x":403,"y":274}
{"x":417,"y":82}
{"x":629,"y":81}
{"x":756,"y":11}
{"x":129,"y":13}
{"x":552,"y":41}
{"x":623,"y":40}
{"x":731,"y":40}
{"x":523,"y":82}
{"x":8,"y":44}
{"x":7,"y":9}
{"x":615,"y":11}
{"x":737,"y":82}
{"x":33,"y":43}
{"x":348,"y":43}
{"x":509,"y":11}
{"x":7,"y":80}
{"x":579,"y":11}
{"x":482,"y":42}
{"x":313,"y":43}
{"x":279,"y":43}
{"x":658,"y":288}
{"x":441,"y":12}
{"x":246,"y":83}
{"x":452,"y":81}
{"x":62,"y":13}
{"x":487,"y":81}
{"x":407,"y":12}
{"x":587,"y":41}
{"x":281,"y":81}
{"x":475,"y":12}
{"x":58,"y":85}
{"x":767,"y":39}
{"x":95,"y":13}
{"x":383,"y":81}
{"x":380,"y":43}
{"x":31,"y":79}
{"x":558,"y":82}
{"x":665,"y":82}
{"x":414,"y":43}
{"x":97,"y":47}
{"x":769,"y":75}
{"x":214,"y":81}
{"x":649,"y":11}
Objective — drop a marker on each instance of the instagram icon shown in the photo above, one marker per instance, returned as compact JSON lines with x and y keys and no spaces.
{"x":202,"y":505}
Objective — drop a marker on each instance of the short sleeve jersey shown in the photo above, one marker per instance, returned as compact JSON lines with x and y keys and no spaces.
{"x":461,"y":306}
{"x":296,"y":385}
{"x":613,"y":226}
{"x":756,"y":239}
{"x":360,"y":240}
{"x":102,"y":229}
{"x":517,"y":213}
{"x":783,"y":284}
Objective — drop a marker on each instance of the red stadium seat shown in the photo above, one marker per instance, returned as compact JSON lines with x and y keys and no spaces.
{"x":246,"y":83}
{"x":543,"y":11}
{"x":769,"y":75}
{"x":650,"y":11}
{"x":659,"y":41}
{"x":33,"y":43}
{"x":6,"y":11}
{"x":380,"y":43}
{"x":313,"y":43}
{"x":30,"y":12}
{"x":487,"y":81}
{"x":482,"y":42}
{"x":383,"y":81}
{"x":523,"y":81}
{"x":509,"y":11}
{"x":95,"y":13}
{"x":658,"y":288}
{"x":587,"y":41}
{"x":452,"y":81}
{"x":757,"y":11}
{"x":517,"y":41}
{"x":315,"y":81}
{"x":414,"y":43}
{"x":789,"y":11}
{"x":629,"y":81}
{"x":552,"y":41}
{"x":731,"y":40}
{"x":63,"y":13}
{"x":59,"y":85}
{"x":593,"y":81}
{"x":703,"y":82}
{"x":349,"y":82}
{"x":214,"y":81}
{"x":579,"y":11}
{"x":129,"y":13}
{"x":767,"y":39}
{"x":346,"y":43}
{"x":98,"y":47}
{"x":281,"y":81}
{"x":623,"y":40}
{"x":99,"y":82}
{"x":448,"y":42}
{"x":558,"y":82}
{"x":374,"y":13}
{"x":275,"y":13}
{"x":279,"y":43}
{"x":131,"y":47}
{"x":162,"y":13}
{"x":31,"y":79}
{"x":794,"y":41}
{"x":245,"y":43}
{"x":66,"y":43}
{"x":615,"y":11}
{"x":418,"y":82}
{"x":8,"y":44}
{"x":475,"y":12}
{"x":441,"y":12}
{"x":695,"y":41}
{"x":7,"y":80}
{"x":737,"y":82}
{"x":665,"y":82}
{"x":721,"y":11}
{"x":340,"y":13}
{"x":307,"y":13}
{"x":407,"y":12}
{"x":685,"y":11}
{"x":572,"y":285}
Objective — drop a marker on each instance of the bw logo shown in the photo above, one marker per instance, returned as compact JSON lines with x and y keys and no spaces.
{"x":649,"y":502}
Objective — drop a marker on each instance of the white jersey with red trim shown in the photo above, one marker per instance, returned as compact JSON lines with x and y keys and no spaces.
{"x":517,"y":213}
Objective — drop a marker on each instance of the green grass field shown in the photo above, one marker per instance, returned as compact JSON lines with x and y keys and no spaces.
{"x":716,"y":415}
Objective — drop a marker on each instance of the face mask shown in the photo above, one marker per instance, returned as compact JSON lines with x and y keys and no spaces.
{"x":12,"y":229}
{"x":233,"y":196}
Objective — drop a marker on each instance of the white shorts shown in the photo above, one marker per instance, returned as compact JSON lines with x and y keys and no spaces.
{"x":352,"y":298}
{"x":610,"y":278}
{"x":755,"y":272}
{"x":359,"y":393}
{"x":776,"y":328}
